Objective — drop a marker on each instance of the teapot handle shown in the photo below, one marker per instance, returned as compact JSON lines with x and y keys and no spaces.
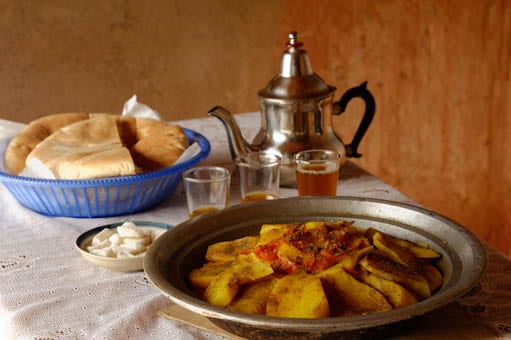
{"x":340,"y":106}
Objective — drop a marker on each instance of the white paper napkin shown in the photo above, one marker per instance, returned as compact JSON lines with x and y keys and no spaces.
{"x":132,"y":108}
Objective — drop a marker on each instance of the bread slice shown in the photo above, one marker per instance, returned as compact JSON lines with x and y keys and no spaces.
{"x":158,"y":145}
{"x":35,"y":132}
{"x":91,"y":148}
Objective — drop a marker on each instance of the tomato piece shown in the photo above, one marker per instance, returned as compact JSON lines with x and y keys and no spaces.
{"x":267,"y":252}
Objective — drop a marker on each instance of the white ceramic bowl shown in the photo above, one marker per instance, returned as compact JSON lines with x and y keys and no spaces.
{"x":129,"y":264}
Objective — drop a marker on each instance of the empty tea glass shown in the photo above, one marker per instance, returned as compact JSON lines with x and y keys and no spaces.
{"x":259,"y":176}
{"x":207,"y":189}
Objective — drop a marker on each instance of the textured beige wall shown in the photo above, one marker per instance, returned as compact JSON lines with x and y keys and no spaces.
{"x":180,"y":57}
{"x":439,"y":70}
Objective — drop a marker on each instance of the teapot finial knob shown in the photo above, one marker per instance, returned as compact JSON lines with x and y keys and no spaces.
{"x":293,"y":40}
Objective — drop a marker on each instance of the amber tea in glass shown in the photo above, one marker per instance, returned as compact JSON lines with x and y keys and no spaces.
{"x":317,"y":172}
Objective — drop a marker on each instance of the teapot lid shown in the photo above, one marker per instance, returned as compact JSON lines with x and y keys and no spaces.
{"x":296,"y":79}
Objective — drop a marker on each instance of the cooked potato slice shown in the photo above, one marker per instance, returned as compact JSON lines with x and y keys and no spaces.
{"x":298,"y":296}
{"x":228,"y":250}
{"x":359,"y":296}
{"x":253,"y":297}
{"x":397,"y":295}
{"x":289,"y":252}
{"x":269,"y":236}
{"x":251,"y":271}
{"x":265,"y":228}
{"x":314,"y":225}
{"x":341,"y":224}
{"x":272,"y":232}
{"x":202,"y":277}
{"x":369,"y":232}
{"x":394,"y":271}
{"x":394,"y":251}
{"x":350,"y":260}
{"x":419,"y":251}
{"x":224,"y":286}
{"x":432,"y":276}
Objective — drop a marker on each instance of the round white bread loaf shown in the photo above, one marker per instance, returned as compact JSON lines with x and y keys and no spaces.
{"x":83,"y":146}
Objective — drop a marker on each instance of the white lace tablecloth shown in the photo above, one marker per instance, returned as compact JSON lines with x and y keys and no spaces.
{"x":48,"y":291}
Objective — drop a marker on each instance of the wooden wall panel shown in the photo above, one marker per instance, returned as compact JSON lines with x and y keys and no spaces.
{"x":439,"y":71}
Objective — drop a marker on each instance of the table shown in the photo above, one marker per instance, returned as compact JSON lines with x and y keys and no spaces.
{"x":48,"y":291}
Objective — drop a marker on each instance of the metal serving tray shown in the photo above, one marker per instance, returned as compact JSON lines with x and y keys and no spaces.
{"x":182,"y":248}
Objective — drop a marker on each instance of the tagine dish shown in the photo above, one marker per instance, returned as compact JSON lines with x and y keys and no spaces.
{"x":316,"y":270}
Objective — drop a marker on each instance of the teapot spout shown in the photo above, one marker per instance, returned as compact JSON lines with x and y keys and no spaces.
{"x":237,"y":143}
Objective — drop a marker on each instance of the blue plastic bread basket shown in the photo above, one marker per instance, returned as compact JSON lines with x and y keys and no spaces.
{"x":103,"y":197}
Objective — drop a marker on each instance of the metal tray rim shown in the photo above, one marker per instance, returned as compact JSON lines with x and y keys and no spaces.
{"x":473,"y":261}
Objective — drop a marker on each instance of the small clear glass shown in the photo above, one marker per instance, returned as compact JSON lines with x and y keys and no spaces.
{"x":317,"y":172}
{"x":207,"y":189}
{"x":259,"y":176}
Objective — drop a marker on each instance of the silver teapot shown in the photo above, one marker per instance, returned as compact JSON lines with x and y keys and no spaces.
{"x":296,"y":113}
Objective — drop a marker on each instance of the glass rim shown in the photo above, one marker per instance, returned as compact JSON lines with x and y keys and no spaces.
{"x":297,"y":157}
{"x":273,"y":159}
{"x":220,"y":173}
